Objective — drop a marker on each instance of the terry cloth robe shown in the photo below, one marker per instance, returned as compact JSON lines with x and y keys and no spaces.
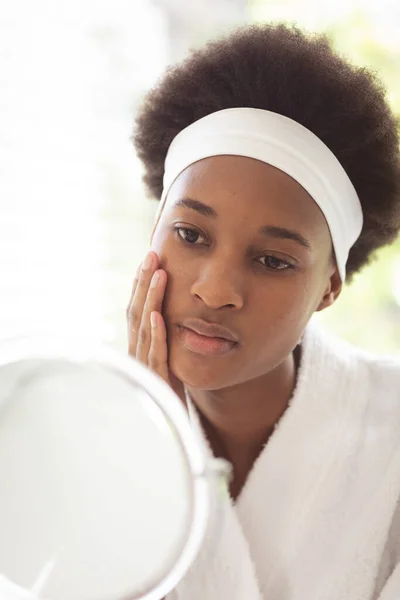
{"x":319,"y":515}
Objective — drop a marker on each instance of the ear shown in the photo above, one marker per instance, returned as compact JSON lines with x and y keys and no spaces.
{"x":332,"y":290}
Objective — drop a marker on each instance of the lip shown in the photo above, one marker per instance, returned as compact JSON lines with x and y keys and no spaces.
{"x":211,"y":330}
{"x":207,"y":339}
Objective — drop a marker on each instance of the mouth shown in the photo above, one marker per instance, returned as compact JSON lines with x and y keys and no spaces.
{"x":206,"y":338}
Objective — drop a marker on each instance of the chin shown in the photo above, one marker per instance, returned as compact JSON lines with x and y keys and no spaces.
{"x":199,"y":372}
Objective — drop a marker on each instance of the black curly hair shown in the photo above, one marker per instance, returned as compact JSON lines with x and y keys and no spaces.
{"x":282,"y":69}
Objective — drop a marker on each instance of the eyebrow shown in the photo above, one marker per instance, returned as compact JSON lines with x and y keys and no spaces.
{"x":202,"y":209}
{"x":267,"y":231}
{"x":283,"y":233}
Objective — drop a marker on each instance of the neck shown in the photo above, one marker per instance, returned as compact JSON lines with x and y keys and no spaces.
{"x":239,"y":420}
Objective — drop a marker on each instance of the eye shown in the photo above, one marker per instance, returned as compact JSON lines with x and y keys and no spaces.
{"x":275,"y":264}
{"x":190,"y":236}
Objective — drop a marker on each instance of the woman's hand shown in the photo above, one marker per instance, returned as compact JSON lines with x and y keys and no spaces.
{"x":147,"y":334}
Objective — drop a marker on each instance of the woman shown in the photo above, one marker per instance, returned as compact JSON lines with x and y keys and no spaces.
{"x":277,"y":167}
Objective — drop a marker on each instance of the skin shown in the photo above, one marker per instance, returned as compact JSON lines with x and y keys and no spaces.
{"x":223,"y":269}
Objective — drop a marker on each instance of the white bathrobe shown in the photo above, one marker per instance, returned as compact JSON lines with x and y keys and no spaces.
{"x":319,"y":515}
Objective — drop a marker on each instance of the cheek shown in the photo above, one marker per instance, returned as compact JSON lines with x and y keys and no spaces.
{"x":176,"y":293}
{"x":179,"y":271}
{"x":281,"y":299}
{"x":279,"y":314}
{"x":172,"y":258}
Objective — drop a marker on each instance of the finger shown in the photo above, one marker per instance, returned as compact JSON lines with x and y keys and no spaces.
{"x":135,"y":309}
{"x":134,"y":286}
{"x":158,"y":352}
{"x":153,"y":303}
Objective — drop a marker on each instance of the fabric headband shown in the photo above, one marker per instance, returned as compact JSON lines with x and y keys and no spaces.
{"x":285,"y":144}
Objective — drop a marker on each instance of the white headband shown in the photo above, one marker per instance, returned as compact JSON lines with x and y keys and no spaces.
{"x":282,"y":143}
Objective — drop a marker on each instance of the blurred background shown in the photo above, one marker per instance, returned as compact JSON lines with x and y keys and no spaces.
{"x":74,"y":219}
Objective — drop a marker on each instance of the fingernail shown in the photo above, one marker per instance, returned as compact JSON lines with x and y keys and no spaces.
{"x":138,"y":270}
{"x":147,"y":262}
{"x":153,"y":319}
{"x":154,"y":279}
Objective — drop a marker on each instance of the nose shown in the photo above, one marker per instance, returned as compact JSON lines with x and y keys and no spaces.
{"x":218,"y":286}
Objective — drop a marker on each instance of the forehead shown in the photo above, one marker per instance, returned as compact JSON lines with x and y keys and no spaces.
{"x":246,"y":189}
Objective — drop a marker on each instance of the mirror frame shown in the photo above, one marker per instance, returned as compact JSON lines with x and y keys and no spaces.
{"x":80,"y":350}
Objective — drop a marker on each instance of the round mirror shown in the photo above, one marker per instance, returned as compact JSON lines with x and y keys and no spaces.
{"x":105,"y":491}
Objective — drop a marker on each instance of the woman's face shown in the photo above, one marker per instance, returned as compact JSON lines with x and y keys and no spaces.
{"x":244,"y":247}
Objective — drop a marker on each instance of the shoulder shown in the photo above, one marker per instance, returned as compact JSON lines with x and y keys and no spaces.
{"x":376,"y":372}
{"x":342,"y":347}
{"x":382,"y":371}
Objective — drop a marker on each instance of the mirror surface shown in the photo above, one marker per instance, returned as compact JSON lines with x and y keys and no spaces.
{"x":95,"y":488}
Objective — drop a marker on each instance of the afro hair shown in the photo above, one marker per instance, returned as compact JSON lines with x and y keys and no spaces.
{"x":285,"y":70}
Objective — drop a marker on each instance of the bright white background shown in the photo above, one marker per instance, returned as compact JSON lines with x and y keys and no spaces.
{"x":71,"y":202}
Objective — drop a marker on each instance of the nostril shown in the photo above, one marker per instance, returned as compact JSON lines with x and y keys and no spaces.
{"x":215,"y":305}
{"x":217,"y":297}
